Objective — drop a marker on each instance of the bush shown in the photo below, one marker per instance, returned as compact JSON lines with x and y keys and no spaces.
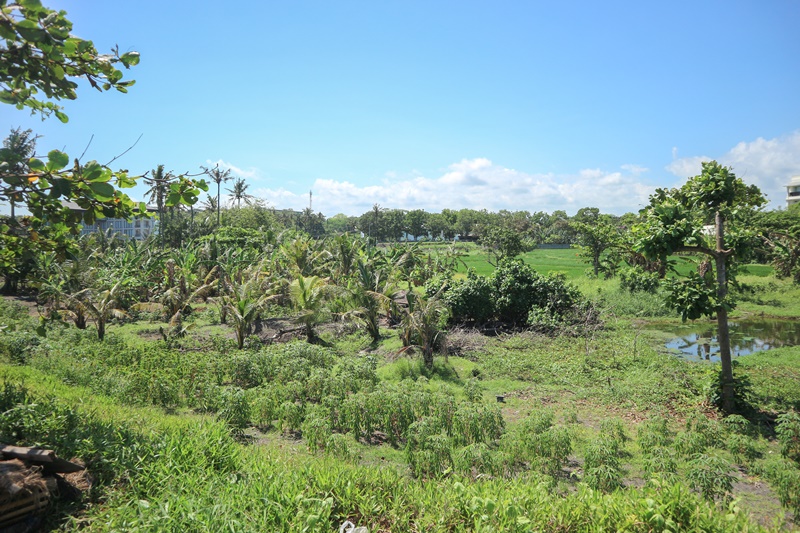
{"x":428,"y":449}
{"x":788,"y":431}
{"x":471,"y":299}
{"x":635,"y":279}
{"x":710,"y":475}
{"x":234,"y":410}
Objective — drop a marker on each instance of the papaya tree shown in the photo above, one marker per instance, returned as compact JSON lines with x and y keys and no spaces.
{"x":681,"y":220}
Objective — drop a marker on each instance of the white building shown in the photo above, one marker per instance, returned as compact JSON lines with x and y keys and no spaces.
{"x":793,"y":191}
{"x":137,"y":228}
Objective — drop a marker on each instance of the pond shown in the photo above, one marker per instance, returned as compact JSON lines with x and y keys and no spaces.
{"x":698,"y":342}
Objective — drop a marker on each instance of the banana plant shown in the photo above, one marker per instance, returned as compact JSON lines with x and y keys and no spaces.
{"x":100,"y":305}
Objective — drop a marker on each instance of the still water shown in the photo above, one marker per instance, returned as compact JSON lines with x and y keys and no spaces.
{"x":699,"y":342}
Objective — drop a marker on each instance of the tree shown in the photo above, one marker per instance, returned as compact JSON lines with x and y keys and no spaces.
{"x":501,"y":242}
{"x":219,"y":177}
{"x":309,"y":295}
{"x":239,"y":193}
{"x":39,"y":55}
{"x":423,"y":325}
{"x":416,"y":223}
{"x":243,"y":301}
{"x":18,"y":148}
{"x":594,"y":239}
{"x":674,"y":222}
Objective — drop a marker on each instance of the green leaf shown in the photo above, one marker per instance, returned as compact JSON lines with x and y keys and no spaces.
{"x":36,"y":165}
{"x":94,"y":172}
{"x":56,"y":160}
{"x":102,"y":191}
{"x":130,"y":59}
{"x":62,"y":187}
{"x":62,"y":116}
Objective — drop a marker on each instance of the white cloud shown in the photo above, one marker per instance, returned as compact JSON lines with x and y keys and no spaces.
{"x":477,"y":184}
{"x":768,"y":163}
{"x":247,"y":173}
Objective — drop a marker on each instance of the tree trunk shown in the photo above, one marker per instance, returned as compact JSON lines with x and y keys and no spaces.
{"x":723,"y":334}
{"x":101,"y":328}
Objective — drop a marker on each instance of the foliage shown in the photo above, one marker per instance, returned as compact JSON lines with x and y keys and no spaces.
{"x":674,"y":222}
{"x":471,"y":299}
{"x":502,"y":242}
{"x":788,"y":431}
{"x":634,"y":279}
{"x":594,"y":239}
{"x":710,"y":475}
{"x":423,"y":325}
{"x":40,"y":55}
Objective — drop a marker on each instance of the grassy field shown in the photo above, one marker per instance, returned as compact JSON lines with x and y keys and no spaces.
{"x":602,"y":431}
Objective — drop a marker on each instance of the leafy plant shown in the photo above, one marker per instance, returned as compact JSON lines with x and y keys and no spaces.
{"x":788,"y":431}
{"x":710,"y":475}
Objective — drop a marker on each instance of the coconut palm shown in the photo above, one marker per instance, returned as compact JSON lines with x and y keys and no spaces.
{"x":370,"y":293}
{"x":243,"y":301}
{"x":309,"y":295}
{"x":239,"y":193}
{"x":422,"y":325}
{"x":219,"y":177}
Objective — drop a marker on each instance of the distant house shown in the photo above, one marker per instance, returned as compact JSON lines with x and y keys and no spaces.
{"x":793,"y":191}
{"x":137,"y":228}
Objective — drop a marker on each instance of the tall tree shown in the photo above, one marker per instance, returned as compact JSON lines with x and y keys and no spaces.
{"x":239,"y":193}
{"x":18,"y":148}
{"x":675,"y":221}
{"x":219,"y":177}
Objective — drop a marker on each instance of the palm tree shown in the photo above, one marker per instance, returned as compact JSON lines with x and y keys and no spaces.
{"x":422,"y":325}
{"x":309,"y":295}
{"x":243,"y":301}
{"x":210,"y":204}
{"x":159,"y":185}
{"x":219,"y":177}
{"x":370,"y":293}
{"x":239,"y":193}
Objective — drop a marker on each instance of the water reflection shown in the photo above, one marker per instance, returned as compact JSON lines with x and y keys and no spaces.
{"x":699,"y":342}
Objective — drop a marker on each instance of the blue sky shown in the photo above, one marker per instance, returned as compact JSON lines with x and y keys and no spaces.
{"x":496,"y":105}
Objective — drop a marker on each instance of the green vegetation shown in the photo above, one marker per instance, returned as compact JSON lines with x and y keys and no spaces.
{"x":257,"y":370}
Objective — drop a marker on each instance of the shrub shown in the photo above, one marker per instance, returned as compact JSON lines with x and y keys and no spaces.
{"x":472,"y":299}
{"x":710,"y":475}
{"x":784,"y":477}
{"x":234,"y":409}
{"x":473,"y":390}
{"x":788,"y":431}
{"x":537,"y":442}
{"x":316,"y":428}
{"x":602,"y":465}
{"x":660,"y":460}
{"x":17,"y":346}
{"x":428,"y":449}
{"x":653,"y":433}
{"x":635,"y":279}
